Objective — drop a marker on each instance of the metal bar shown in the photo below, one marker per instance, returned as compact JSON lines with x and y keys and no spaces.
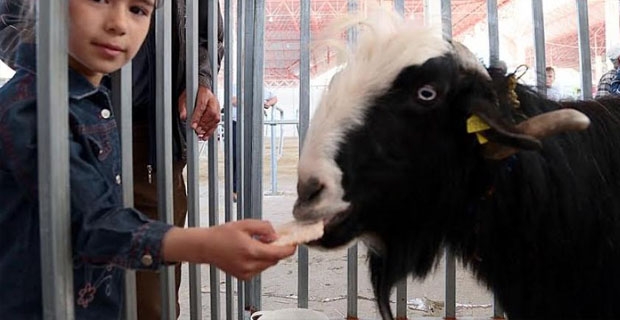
{"x":274,"y":123}
{"x":539,"y":45}
{"x":401,"y":299}
{"x":241,"y":286}
{"x":446,"y":18}
{"x":228,"y":146}
{"x":253,"y":130}
{"x":193,"y":162}
{"x":254,"y":146}
{"x":493,"y":33}
{"x":214,"y":273}
{"x":450,"y":293}
{"x":352,"y":268}
{"x":304,"y":120}
{"x":53,"y":161}
{"x":163,"y":114}
{"x":585,"y":64}
{"x":274,"y":157}
{"x":122,"y":104}
{"x":401,"y":286}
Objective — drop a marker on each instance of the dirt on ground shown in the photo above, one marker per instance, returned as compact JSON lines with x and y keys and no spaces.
{"x":327,"y":269}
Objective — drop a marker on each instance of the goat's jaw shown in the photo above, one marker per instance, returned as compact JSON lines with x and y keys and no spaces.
{"x":319,"y":211}
{"x":340,"y":230}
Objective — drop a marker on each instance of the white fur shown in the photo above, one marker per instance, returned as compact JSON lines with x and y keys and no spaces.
{"x":386,"y":45}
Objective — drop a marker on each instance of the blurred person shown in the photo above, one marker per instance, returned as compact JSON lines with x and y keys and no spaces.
{"x":269,"y":100}
{"x":553,"y":91}
{"x":604,"y":87}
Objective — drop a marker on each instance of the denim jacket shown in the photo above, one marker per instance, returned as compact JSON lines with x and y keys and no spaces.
{"x":106,"y":237}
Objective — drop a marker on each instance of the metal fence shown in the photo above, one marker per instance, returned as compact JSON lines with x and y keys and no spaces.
{"x":248,"y":30}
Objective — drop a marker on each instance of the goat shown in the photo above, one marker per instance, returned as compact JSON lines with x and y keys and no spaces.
{"x":416,"y":147}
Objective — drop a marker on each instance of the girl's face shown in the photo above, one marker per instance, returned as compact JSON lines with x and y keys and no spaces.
{"x":105,"y":34}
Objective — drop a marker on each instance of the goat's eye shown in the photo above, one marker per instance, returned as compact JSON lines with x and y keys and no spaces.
{"x":427,"y":93}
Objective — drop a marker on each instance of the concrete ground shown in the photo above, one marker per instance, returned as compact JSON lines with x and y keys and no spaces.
{"x":328,"y":270}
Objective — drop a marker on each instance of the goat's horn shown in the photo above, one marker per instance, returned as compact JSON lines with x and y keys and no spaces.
{"x":541,"y":126}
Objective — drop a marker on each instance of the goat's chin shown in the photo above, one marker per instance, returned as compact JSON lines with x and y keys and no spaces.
{"x":340,"y":229}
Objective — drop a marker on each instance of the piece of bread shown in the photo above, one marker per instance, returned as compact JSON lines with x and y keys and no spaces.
{"x":297,"y":232}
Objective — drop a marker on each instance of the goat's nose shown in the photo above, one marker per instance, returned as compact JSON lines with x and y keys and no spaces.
{"x":309,"y":190}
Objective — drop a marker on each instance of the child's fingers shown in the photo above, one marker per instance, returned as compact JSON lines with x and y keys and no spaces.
{"x":257,"y":227}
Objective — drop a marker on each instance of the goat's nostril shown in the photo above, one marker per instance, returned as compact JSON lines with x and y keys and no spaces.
{"x":309,"y":189}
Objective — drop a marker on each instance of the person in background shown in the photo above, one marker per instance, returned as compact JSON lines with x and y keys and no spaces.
{"x":269,"y":100}
{"x":553,"y":92}
{"x":604,"y":84}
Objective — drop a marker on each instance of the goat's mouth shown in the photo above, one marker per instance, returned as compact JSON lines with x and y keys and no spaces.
{"x":339,"y":230}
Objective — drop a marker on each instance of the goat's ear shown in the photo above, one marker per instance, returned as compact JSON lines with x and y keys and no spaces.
{"x":501,"y":131}
{"x":506,"y":139}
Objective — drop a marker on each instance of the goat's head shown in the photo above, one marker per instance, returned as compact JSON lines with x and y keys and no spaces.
{"x":388,"y":149}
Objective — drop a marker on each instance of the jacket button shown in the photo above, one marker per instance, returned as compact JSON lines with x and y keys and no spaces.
{"x":105,"y":113}
{"x":147,"y":260}
{"x":118,"y":179}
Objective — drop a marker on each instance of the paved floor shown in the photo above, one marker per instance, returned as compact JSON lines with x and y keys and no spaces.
{"x":328,"y":270}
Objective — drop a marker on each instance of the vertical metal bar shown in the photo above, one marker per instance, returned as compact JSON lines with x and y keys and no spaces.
{"x":450,"y":297}
{"x":273,"y":154}
{"x":163,"y":102}
{"x":122,"y":104}
{"x":539,"y":45}
{"x":304,"y":120}
{"x":401,"y":299}
{"x":253,"y":148}
{"x":450,"y":293}
{"x":401,"y":286}
{"x":352,"y":268}
{"x":585,"y":64}
{"x":255,"y":144}
{"x":53,"y":160}
{"x":193,"y":164}
{"x":493,"y":33}
{"x":228,"y":134}
{"x":241,"y":286}
{"x":248,"y":92}
{"x":214,"y":274}
{"x":352,"y":271}
{"x":446,"y":18}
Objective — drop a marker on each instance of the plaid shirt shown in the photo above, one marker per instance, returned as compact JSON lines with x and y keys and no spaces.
{"x":604,"y":85}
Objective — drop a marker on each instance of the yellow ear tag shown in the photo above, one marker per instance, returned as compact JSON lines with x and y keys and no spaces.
{"x":481,"y":138}
{"x":475,"y":125}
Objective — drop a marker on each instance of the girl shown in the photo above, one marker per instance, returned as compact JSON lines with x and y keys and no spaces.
{"x":104,"y":35}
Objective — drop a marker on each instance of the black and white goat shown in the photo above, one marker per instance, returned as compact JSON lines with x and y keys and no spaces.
{"x":416,"y":147}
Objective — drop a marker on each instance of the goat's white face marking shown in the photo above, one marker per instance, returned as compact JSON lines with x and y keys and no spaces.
{"x":387,"y":44}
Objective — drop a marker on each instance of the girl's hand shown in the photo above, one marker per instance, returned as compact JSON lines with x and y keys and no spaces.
{"x":239,"y":248}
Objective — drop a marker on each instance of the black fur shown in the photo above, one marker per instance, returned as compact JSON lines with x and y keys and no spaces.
{"x":541,"y":229}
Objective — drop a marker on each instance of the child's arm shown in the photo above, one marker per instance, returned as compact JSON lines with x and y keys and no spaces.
{"x":239,"y":248}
